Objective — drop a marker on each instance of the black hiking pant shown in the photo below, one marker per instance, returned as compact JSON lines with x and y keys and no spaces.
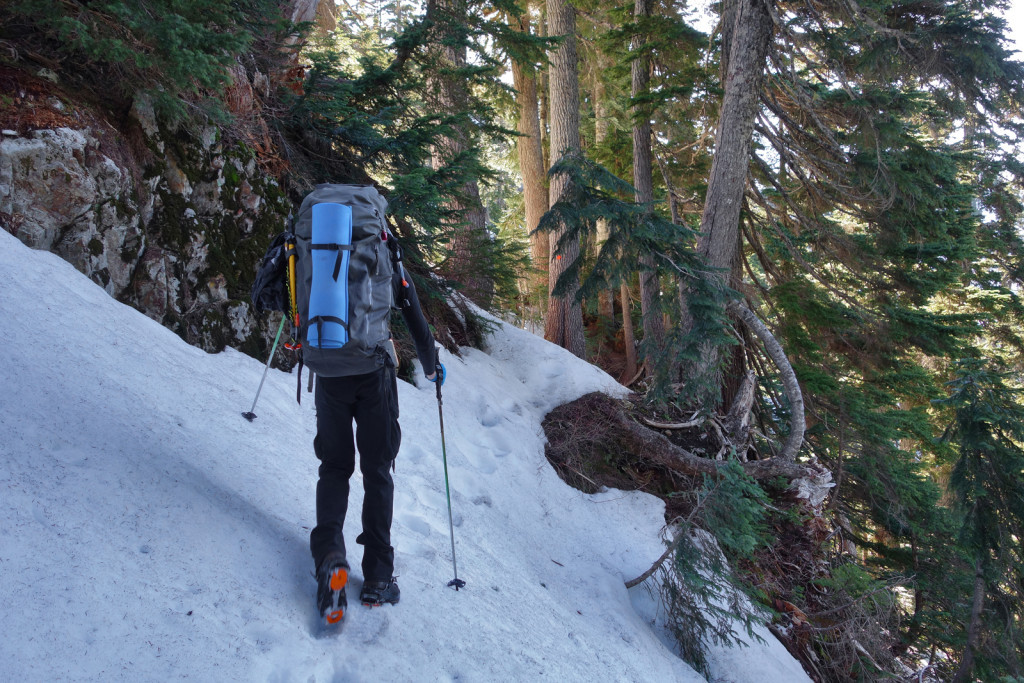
{"x":371,"y":400}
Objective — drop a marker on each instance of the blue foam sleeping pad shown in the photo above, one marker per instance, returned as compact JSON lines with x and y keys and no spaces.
{"x":332,"y":224}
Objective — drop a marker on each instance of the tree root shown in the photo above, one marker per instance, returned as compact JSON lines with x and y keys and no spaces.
{"x":656,"y":448}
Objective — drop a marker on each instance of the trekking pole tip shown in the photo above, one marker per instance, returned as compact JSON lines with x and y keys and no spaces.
{"x":456,"y":584}
{"x":250,"y":416}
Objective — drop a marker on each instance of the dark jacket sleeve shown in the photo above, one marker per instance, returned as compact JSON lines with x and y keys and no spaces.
{"x":409,"y":304}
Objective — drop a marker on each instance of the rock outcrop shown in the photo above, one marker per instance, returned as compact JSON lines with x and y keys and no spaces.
{"x":172,"y":223}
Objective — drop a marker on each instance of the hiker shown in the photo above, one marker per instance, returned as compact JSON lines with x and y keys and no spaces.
{"x":338,"y":273}
{"x":371,"y":400}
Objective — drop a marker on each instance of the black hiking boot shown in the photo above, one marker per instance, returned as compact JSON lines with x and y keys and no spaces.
{"x":377,"y":593}
{"x":330,"y":589}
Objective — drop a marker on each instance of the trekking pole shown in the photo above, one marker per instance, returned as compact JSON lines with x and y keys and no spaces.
{"x":456,"y":583}
{"x":250,"y":416}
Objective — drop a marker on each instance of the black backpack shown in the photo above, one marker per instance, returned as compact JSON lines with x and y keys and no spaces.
{"x":270,"y":289}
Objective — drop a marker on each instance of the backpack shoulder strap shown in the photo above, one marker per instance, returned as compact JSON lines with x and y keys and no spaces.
{"x":396,"y":255}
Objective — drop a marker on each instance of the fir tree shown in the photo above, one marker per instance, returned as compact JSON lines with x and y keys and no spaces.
{"x":178,"y":52}
{"x":987,"y":439}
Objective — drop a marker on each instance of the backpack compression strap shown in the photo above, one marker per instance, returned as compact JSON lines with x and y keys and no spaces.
{"x":320,"y":320}
{"x":334,"y":247}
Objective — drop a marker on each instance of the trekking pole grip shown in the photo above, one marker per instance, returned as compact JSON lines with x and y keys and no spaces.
{"x":438,"y":373}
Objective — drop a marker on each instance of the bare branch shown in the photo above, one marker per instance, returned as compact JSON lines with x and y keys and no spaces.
{"x":789,"y":380}
{"x":681,"y":530}
{"x":672,"y":425}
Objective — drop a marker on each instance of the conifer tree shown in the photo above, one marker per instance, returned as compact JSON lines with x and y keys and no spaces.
{"x":448,"y":98}
{"x":987,"y":438}
{"x":178,"y":53}
{"x":856,"y":233}
{"x":564,"y":324}
{"x":643,"y":181}
{"x":860,"y":219}
{"x":747,"y":32}
{"x":531,"y":154}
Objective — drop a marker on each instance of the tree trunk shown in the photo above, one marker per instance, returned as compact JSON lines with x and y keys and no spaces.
{"x":543,"y":87}
{"x":629,"y":338}
{"x":643,"y":181}
{"x":326,"y":17}
{"x":531,"y":163}
{"x":682,"y":290}
{"x":737,"y":421}
{"x":450,"y":95}
{"x":606,"y":297}
{"x":564,"y":324}
{"x":628,"y":335}
{"x":299,"y":11}
{"x":915,"y":628}
{"x":963,"y":672}
{"x":727,"y":25}
{"x":749,"y":37}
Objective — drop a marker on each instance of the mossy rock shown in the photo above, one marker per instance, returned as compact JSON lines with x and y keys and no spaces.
{"x":169,"y":223}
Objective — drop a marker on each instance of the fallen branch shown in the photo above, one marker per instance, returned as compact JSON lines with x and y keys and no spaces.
{"x":576,"y":471}
{"x":661,"y":560}
{"x":681,"y":530}
{"x":639,"y":374}
{"x":672,"y":425}
{"x":724,"y":443}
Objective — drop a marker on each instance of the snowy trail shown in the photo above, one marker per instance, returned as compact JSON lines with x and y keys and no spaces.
{"x":149,"y":532}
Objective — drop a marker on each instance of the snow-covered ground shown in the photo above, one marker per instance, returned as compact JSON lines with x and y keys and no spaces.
{"x":150,"y":533}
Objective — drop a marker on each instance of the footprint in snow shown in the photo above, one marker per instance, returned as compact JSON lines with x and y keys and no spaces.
{"x":500,"y":445}
{"x":413,"y":548}
{"x":415,"y":524}
{"x":554,"y":370}
{"x":481,"y":458}
{"x":488,"y":416}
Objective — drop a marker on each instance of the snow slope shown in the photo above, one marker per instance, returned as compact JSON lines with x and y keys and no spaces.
{"x":149,"y":533}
